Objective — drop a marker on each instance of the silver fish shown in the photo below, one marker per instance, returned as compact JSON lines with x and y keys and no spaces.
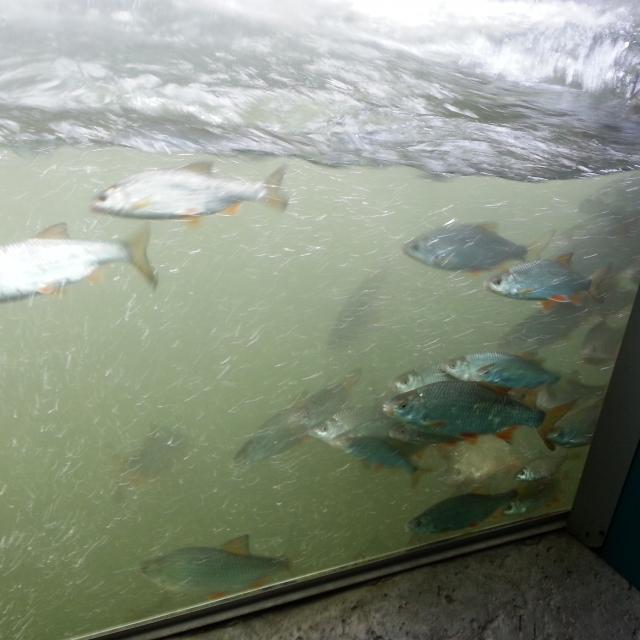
{"x":292,"y":425}
{"x":186,"y":193}
{"x":50,"y":261}
{"x":410,"y":380}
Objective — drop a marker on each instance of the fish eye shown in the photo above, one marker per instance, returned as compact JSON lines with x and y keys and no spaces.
{"x":102,"y":197}
{"x":497,"y":281}
{"x":403,"y":405}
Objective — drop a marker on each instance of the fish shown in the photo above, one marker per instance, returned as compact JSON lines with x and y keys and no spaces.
{"x":568,"y":389}
{"x":466,"y":409}
{"x":541,"y":495}
{"x":489,"y":464}
{"x":278,"y":434}
{"x":464,"y":247}
{"x":500,"y":369}
{"x":358,"y":312}
{"x":50,"y":261}
{"x":380,"y":452}
{"x":414,"y":434}
{"x":601,"y":343}
{"x":320,"y":406}
{"x":544,"y":328}
{"x":355,"y":421}
{"x":212,"y":571}
{"x":459,"y":512}
{"x":577,"y":427}
{"x":549,"y":281}
{"x":413,"y":379}
{"x":186,"y":193}
{"x":157,"y":454}
{"x":295,"y":423}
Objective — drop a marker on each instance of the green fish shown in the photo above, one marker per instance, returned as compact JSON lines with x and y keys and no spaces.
{"x":456,"y":408}
{"x":214,"y":572}
{"x":459,"y":512}
{"x":549,"y":281}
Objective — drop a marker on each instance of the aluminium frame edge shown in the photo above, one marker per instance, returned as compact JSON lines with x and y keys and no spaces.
{"x":614,"y":444}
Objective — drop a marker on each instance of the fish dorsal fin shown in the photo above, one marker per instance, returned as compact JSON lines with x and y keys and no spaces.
{"x":531,"y":356}
{"x":564,"y":259}
{"x":198,"y":167}
{"x":238,"y":546}
{"x":54,"y":232}
{"x":489,"y":226}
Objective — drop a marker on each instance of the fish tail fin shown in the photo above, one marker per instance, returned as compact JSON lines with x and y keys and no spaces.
{"x":551,"y":417}
{"x":274,"y":195}
{"x":600,"y":281}
{"x":136,"y":247}
{"x":534,"y":252}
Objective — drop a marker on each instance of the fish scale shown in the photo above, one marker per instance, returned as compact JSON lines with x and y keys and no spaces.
{"x":458,"y":408}
{"x":467,"y":247}
{"x":540,"y":280}
{"x":499,"y":368}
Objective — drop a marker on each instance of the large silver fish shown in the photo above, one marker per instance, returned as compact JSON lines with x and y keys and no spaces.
{"x":50,"y":261}
{"x":186,"y":193}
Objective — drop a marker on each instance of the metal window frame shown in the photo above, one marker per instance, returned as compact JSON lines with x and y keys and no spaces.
{"x":614,"y":444}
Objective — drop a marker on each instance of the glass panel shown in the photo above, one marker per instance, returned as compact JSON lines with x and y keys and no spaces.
{"x":145,"y":427}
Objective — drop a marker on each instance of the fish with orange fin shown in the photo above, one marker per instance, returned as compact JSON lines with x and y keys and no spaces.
{"x":186,"y":193}
{"x":549,"y":281}
{"x":50,"y":261}
{"x":466,"y":409}
{"x":212,"y":571}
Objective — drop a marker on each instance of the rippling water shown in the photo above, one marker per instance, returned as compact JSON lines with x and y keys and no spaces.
{"x":507,"y":89}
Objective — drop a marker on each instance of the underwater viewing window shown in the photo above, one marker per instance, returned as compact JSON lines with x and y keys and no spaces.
{"x":294,"y":301}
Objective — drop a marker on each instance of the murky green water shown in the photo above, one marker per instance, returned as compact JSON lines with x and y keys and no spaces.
{"x":239,"y":326}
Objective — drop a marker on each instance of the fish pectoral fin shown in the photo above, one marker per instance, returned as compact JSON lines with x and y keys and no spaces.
{"x":51,"y":289}
{"x":435,"y":424}
{"x":577,"y":299}
{"x":260,"y":582}
{"x":507,"y":434}
{"x":97,"y":277}
{"x":54,"y":232}
{"x":231,"y":210}
{"x":237,"y":546}
{"x":560,"y":298}
{"x":547,"y":305}
{"x":564,"y":259}
{"x":470,"y":438}
{"x":217,"y":595}
{"x":198,"y":167}
{"x":142,"y":204}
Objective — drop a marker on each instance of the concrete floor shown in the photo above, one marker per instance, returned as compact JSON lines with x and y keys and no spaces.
{"x":546,"y":588}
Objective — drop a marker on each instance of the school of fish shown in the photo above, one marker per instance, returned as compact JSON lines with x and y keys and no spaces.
{"x":497,"y":424}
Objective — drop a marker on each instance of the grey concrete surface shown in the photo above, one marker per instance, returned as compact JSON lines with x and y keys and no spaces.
{"x":546,"y":588}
